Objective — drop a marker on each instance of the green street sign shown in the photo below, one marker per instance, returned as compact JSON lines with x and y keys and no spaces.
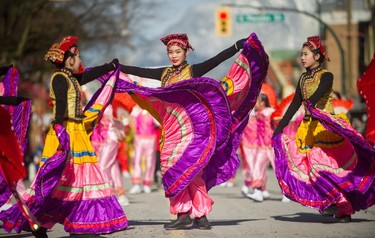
{"x":260,"y":18}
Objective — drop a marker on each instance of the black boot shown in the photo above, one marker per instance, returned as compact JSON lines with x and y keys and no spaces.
{"x":203,"y":223}
{"x":330,"y":211}
{"x":344,"y":219}
{"x":41,"y":232}
{"x":183,"y":221}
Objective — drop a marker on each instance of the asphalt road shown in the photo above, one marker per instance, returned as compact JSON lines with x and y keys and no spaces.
{"x":234,"y":215}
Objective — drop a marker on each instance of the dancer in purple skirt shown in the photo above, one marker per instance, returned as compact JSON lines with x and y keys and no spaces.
{"x":329,"y":166}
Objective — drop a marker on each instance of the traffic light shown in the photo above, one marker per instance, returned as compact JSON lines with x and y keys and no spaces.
{"x":223,"y":21}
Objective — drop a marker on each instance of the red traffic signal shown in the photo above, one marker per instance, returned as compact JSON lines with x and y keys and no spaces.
{"x":223,"y":21}
{"x":223,"y":15}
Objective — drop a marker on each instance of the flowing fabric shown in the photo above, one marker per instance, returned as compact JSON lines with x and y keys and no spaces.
{"x":21,"y":113}
{"x":11,"y":159}
{"x":348,"y":178}
{"x":13,"y":143}
{"x":69,"y":188}
{"x":251,"y":66}
{"x":203,"y":119}
{"x":190,"y":129}
{"x":291,"y":129}
{"x":366,"y":87}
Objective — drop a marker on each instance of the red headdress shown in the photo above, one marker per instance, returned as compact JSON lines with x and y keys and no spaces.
{"x":180,"y":40}
{"x":57,"y":51}
{"x":314,"y":42}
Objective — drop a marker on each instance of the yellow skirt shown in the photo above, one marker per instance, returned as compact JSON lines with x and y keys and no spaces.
{"x":311,"y":133}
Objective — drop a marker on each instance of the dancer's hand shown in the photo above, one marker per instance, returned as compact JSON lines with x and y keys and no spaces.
{"x":115,"y":63}
{"x":239,"y":44}
{"x":4,"y":69}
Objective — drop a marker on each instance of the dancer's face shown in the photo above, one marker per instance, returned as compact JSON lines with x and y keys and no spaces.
{"x":308,"y":59}
{"x":259,"y":105}
{"x":73,"y":63}
{"x":177,"y":55}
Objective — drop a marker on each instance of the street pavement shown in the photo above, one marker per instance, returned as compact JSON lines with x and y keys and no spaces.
{"x":233,"y":215}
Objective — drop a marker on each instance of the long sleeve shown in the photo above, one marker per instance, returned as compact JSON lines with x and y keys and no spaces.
{"x":151,"y":73}
{"x":204,"y":67}
{"x":326,"y":82}
{"x":94,"y":73}
{"x":197,"y":69}
{"x":60,"y":87}
{"x":10,"y":100}
{"x":292,"y":109}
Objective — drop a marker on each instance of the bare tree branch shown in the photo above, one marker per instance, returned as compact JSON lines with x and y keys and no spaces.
{"x":30,"y":27}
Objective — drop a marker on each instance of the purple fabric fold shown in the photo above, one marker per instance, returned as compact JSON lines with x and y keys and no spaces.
{"x":42,"y":202}
{"x":225,"y":162}
{"x":11,"y":82}
{"x":5,"y":191}
{"x":21,"y":118}
{"x":358,"y":186}
{"x":204,"y":100}
{"x":49,"y":174}
{"x":208,"y":110}
{"x":47,"y":178}
{"x":20,"y":113}
{"x":361,"y":190}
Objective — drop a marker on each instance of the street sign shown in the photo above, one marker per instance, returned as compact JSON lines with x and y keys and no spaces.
{"x":260,"y":18}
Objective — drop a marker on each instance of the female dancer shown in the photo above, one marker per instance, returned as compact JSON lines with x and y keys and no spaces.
{"x":69,"y":187}
{"x":105,"y":140}
{"x":256,"y":145}
{"x":144,"y":146}
{"x":19,"y":108}
{"x":15,"y":115}
{"x":186,"y":177}
{"x":329,"y":166}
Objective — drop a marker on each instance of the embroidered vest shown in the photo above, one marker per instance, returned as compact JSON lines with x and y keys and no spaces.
{"x":74,"y":108}
{"x":309,"y":84}
{"x":172,"y":74}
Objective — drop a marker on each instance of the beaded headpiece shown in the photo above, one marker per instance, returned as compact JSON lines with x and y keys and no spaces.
{"x":57,"y":51}
{"x":314,"y":42}
{"x":180,"y":40}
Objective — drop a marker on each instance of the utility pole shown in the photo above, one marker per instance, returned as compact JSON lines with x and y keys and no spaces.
{"x":349,"y":42}
{"x":319,"y":11}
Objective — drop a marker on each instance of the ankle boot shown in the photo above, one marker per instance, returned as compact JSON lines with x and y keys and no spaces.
{"x":41,"y":232}
{"x":183,"y":221}
{"x":344,"y":218}
{"x":202,"y":223}
{"x":330,"y":211}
